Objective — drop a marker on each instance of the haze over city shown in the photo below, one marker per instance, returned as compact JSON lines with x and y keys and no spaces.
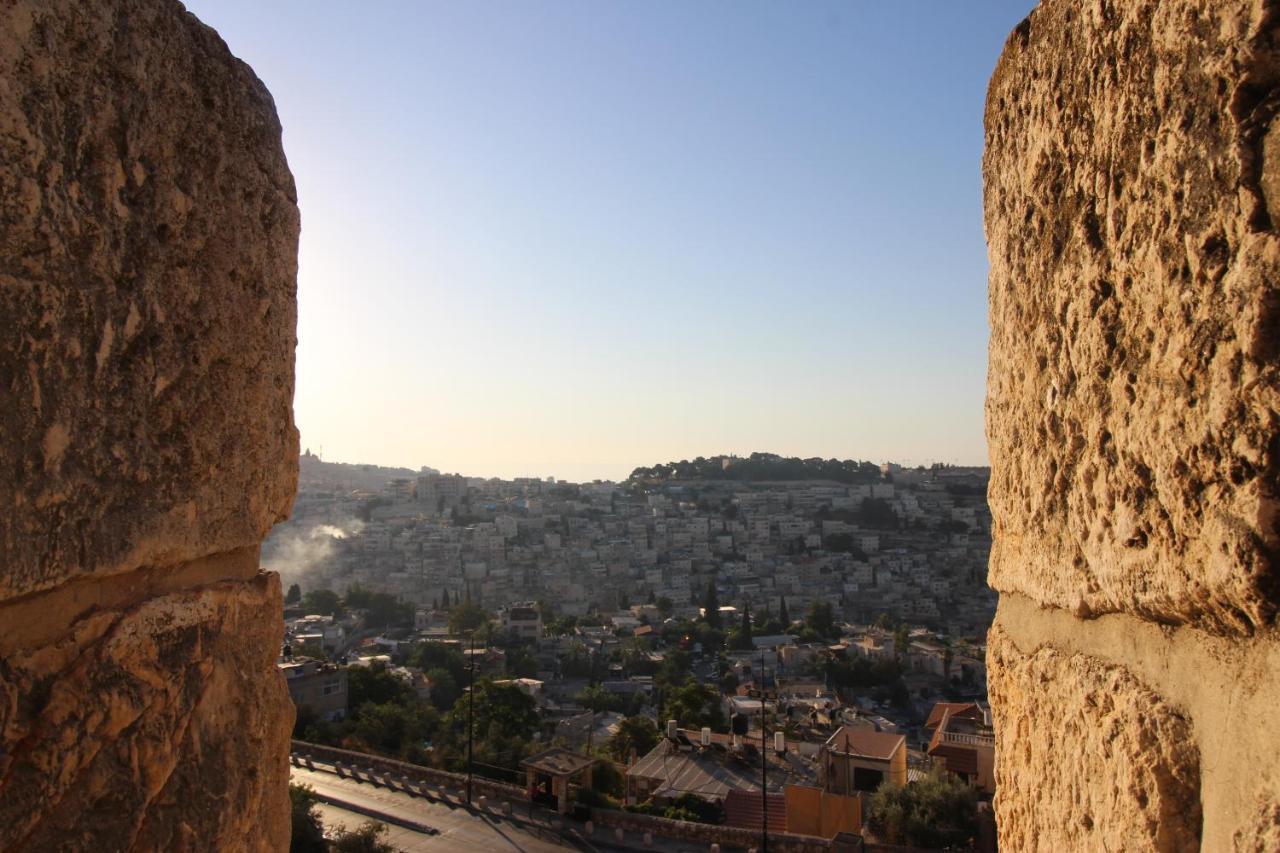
{"x":572,"y":239}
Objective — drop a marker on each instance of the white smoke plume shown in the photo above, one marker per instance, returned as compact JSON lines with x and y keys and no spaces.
{"x":295,"y":551}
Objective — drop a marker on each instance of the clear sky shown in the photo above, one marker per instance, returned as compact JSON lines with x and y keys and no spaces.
{"x":570,"y":238}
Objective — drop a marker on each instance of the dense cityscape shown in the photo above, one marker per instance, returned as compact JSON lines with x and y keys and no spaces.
{"x":655,"y":631}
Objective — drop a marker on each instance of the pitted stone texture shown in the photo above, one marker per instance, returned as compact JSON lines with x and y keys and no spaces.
{"x":148,"y":242}
{"x":1087,"y":757}
{"x":1262,"y":835}
{"x":161,"y":726}
{"x":1132,"y":195}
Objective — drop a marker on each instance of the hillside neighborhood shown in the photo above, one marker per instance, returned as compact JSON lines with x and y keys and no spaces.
{"x":683,"y":634}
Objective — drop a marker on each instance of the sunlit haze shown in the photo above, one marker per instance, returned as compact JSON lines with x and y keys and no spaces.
{"x":571,"y":238}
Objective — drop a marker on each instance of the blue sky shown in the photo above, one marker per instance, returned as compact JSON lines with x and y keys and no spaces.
{"x":571,"y":238}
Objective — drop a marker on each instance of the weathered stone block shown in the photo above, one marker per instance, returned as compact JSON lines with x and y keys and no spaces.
{"x":148,"y":246}
{"x":1132,"y":195}
{"x":154,"y":725}
{"x":148,"y":242}
{"x":1089,"y":758}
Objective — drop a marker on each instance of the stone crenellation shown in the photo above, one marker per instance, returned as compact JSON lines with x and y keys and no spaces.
{"x":148,"y":256}
{"x":1130,"y":173}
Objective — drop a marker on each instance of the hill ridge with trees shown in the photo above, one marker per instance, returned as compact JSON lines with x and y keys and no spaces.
{"x":763,"y":467}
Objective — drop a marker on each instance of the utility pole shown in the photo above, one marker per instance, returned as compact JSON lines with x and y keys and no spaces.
{"x":471,"y":715}
{"x":764,"y":766}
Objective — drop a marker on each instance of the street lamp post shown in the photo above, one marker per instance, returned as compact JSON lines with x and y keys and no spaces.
{"x":471,"y":715}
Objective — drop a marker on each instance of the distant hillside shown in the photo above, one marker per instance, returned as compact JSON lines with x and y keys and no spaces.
{"x":761,"y":467}
{"x":313,"y":471}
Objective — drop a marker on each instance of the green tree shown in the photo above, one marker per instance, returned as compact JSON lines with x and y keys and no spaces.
{"x":676,"y":668}
{"x":323,"y":602}
{"x":935,"y":812}
{"x":501,"y":708}
{"x":367,"y":838}
{"x":665,"y":606}
{"x":878,"y":513}
{"x":696,"y":705}
{"x":711,"y":605}
{"x":820,"y":620}
{"x":596,"y":698}
{"x":376,"y":685}
{"x":859,"y":672}
{"x":308,"y":831}
{"x":294,"y":595}
{"x":381,"y":608}
{"x":783,"y":616}
{"x":466,"y":617}
{"x":638,"y":733}
{"x":741,"y":638}
{"x":506,"y":718}
{"x":576,"y":663}
{"x":711,"y":638}
{"x":607,"y":780}
{"x":444,"y":688}
{"x":392,"y":728}
{"x":901,"y":641}
{"x":433,"y":655}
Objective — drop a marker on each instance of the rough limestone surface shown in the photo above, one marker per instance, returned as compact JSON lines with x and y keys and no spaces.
{"x":1132,"y":204}
{"x":157,"y":726}
{"x":148,"y":257}
{"x":148,"y":244}
{"x":1132,"y":198}
{"x":1104,"y":763}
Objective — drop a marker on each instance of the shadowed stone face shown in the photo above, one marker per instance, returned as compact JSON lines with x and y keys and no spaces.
{"x":148,"y":243}
{"x":148,"y":246}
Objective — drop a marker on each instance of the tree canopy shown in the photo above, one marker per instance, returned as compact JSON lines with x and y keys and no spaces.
{"x":467,"y":616}
{"x":711,"y":605}
{"x":695,"y":705}
{"x":761,"y":467}
{"x":937,"y":811}
{"x":322,"y":602}
{"x":638,"y":733}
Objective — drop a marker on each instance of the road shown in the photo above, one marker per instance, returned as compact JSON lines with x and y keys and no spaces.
{"x":457,"y":828}
{"x":446,"y":824}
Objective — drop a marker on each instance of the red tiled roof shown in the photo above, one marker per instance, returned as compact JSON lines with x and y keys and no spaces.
{"x":956,"y":709}
{"x":855,"y":740}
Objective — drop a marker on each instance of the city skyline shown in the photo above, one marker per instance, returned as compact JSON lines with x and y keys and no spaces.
{"x":573,"y":240}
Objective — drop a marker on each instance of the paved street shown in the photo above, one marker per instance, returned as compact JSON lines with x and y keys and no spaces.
{"x":457,"y":827}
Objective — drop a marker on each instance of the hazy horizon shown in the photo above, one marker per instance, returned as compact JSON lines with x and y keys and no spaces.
{"x":571,"y":239}
{"x":650,"y":463}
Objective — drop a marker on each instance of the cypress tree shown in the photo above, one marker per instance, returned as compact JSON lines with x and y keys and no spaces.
{"x":711,"y":604}
{"x":783,"y":616}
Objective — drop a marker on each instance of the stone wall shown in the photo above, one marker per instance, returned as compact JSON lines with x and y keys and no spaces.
{"x":148,"y":246}
{"x":1132,"y":415}
{"x":416,"y":773}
